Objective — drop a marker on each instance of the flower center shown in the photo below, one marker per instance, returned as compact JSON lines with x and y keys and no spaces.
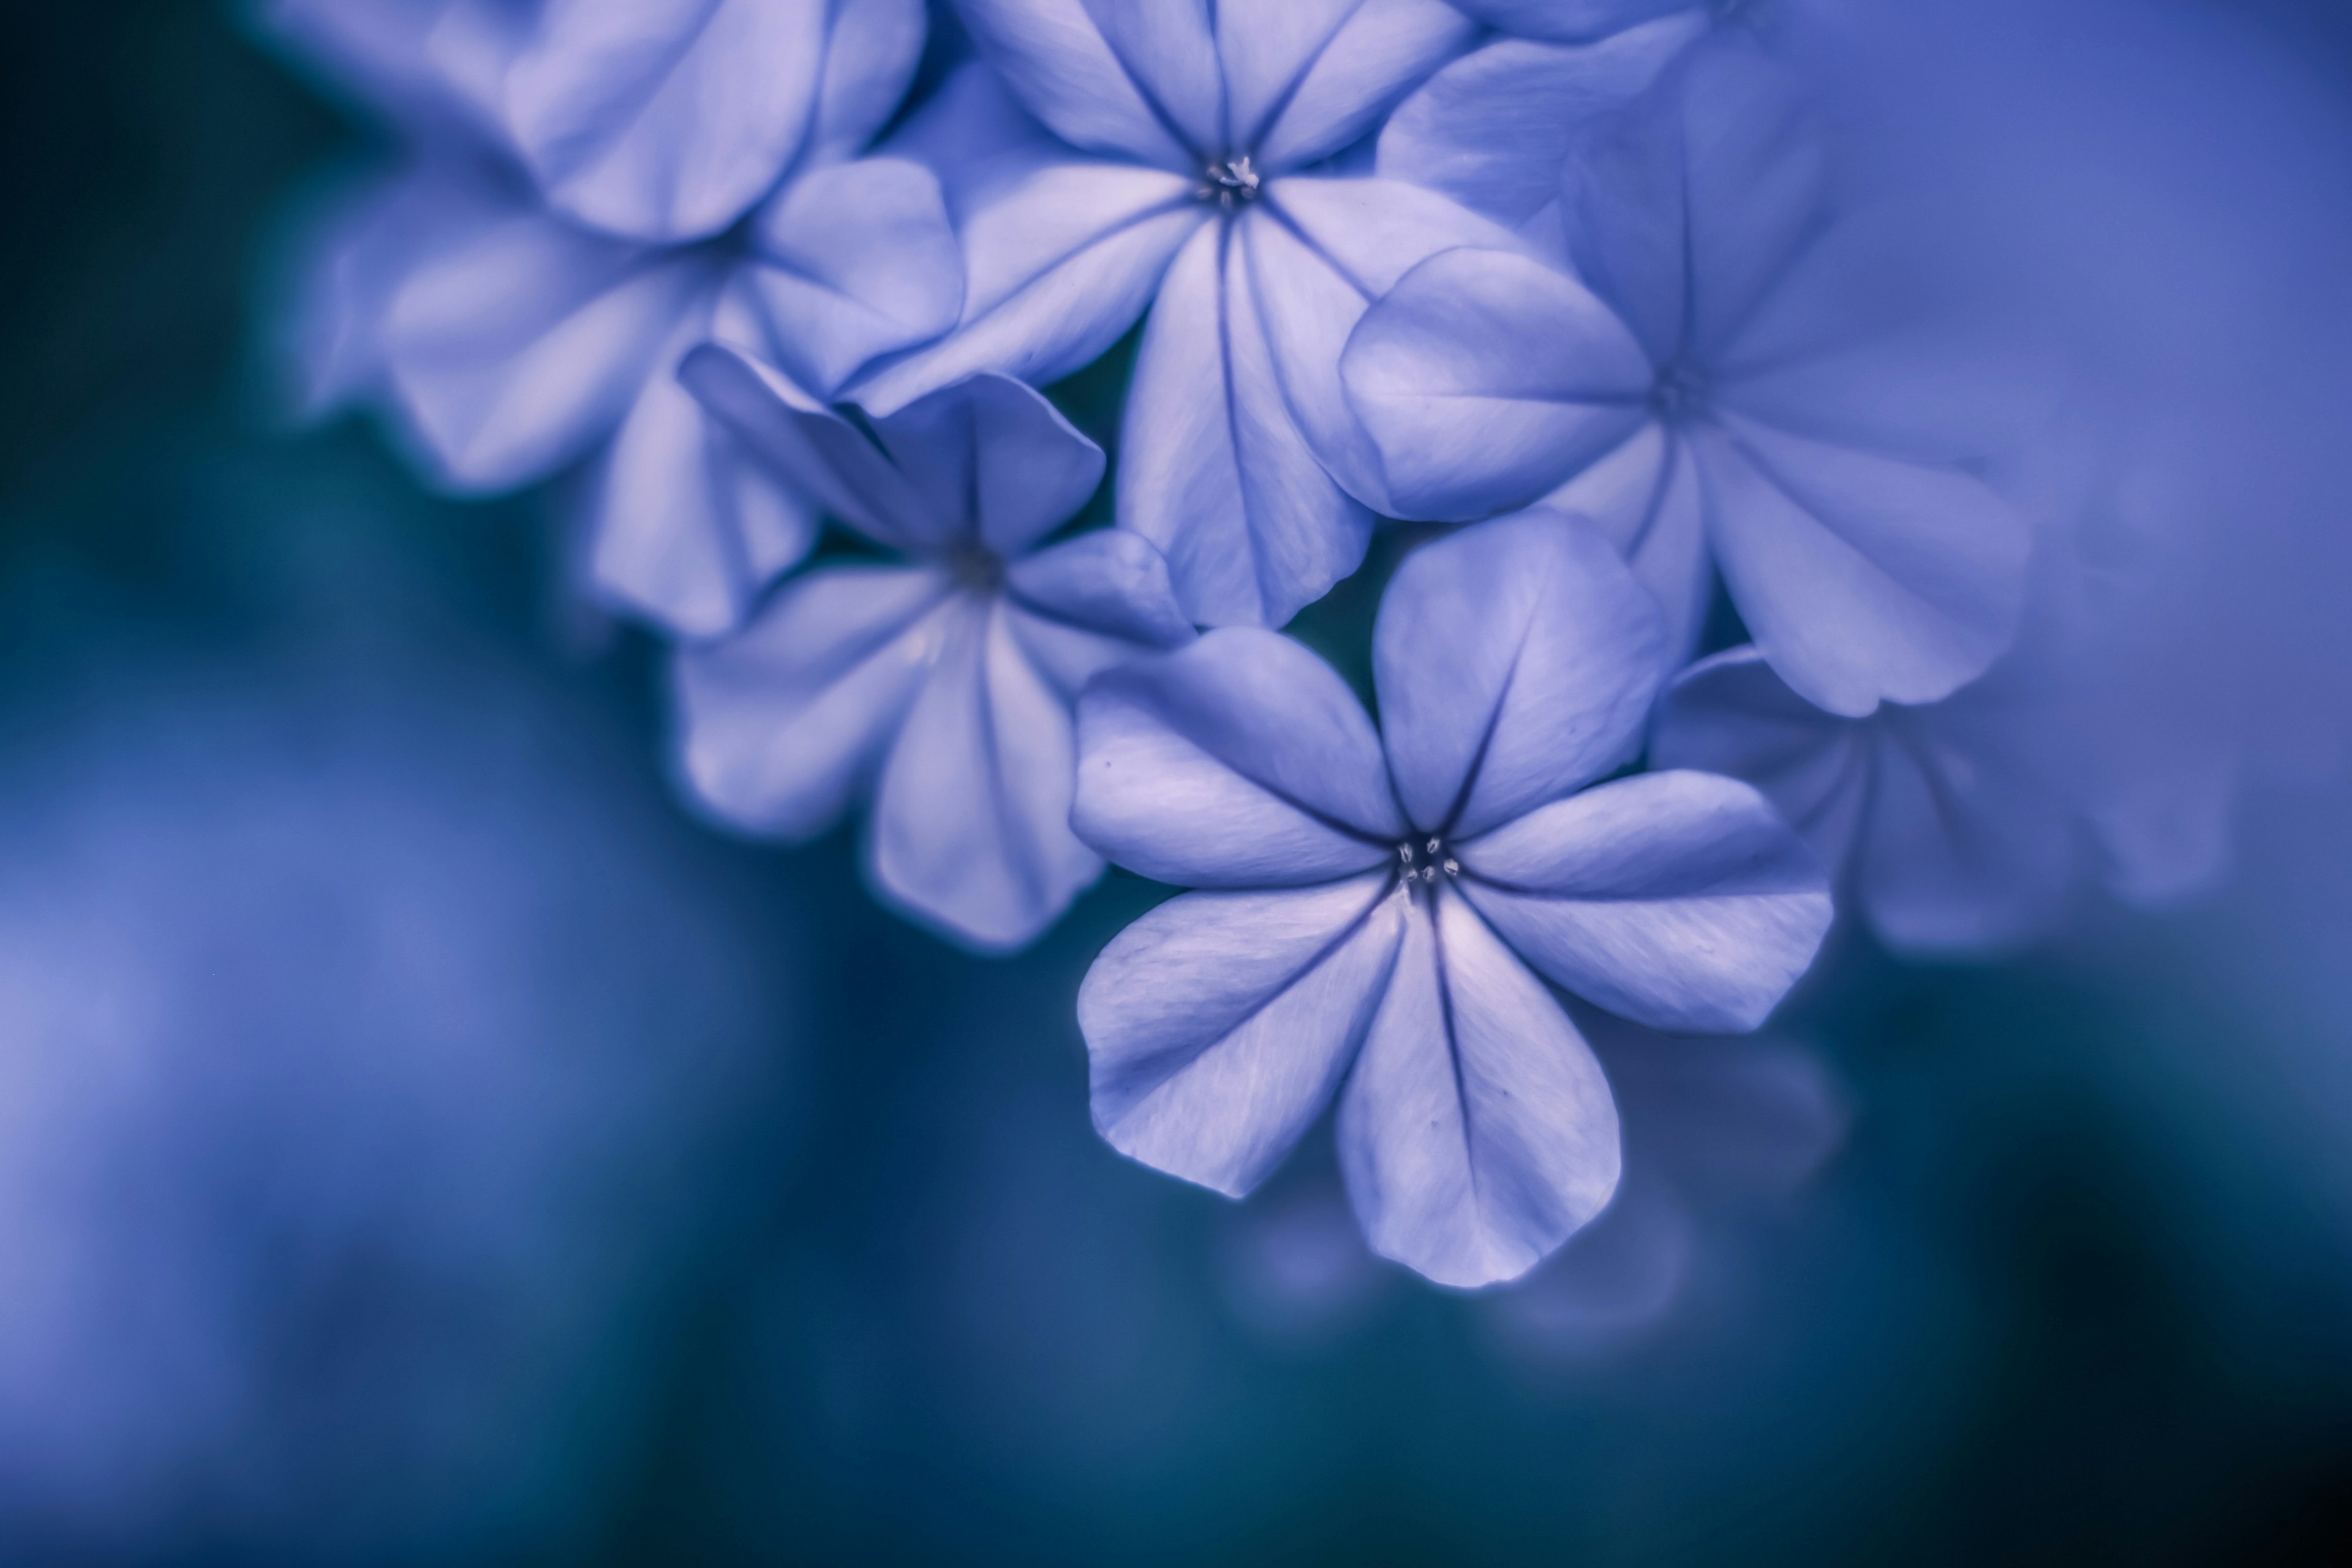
{"x":1681,"y":391}
{"x":1420,"y":860}
{"x":1231,"y":184}
{"x":976,"y":567}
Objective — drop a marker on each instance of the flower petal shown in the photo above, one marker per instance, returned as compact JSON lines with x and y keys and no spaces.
{"x":872,"y":49}
{"x":972,"y":825}
{"x":665,"y":120}
{"x":685,"y":523}
{"x":1219,"y":1025}
{"x":1240,"y":762}
{"x":1731,"y":715}
{"x":1092,"y":602}
{"x":514,"y":350}
{"x":1493,"y":129}
{"x":1319,"y":251}
{"x":1308,"y":76}
{"x":1214,"y":469}
{"x":1645,"y":497}
{"x":1134,"y":79}
{"x":1680,"y":900}
{"x":994,"y":454}
{"x":783,"y":723}
{"x":1861,"y":577}
{"x":857,"y":260}
{"x":1568,"y":21}
{"x":1486,"y":379}
{"x":1477,"y":1132}
{"x":1055,"y":270}
{"x":1515,"y":661}
{"x":1958,"y":853}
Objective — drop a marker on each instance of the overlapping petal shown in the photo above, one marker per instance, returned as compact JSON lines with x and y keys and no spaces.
{"x":786,"y":721}
{"x":1476,"y":1131}
{"x":970,"y":826}
{"x":1486,"y":379}
{"x":1515,"y":661}
{"x":1680,"y":900}
{"x":1128,"y":78}
{"x":1647,"y":500}
{"x":1092,"y":602}
{"x":1242,"y":761}
{"x":1863,"y":578}
{"x":1730,"y":714}
{"x":1219,"y":1025}
{"x":1306,"y":78}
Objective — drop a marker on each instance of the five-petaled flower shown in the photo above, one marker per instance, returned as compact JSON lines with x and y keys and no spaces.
{"x":944,"y":684}
{"x":1172,"y":173}
{"x":1374,"y":900}
{"x":1711,"y":369}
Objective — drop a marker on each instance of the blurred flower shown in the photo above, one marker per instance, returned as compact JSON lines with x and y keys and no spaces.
{"x":1170,"y":172}
{"x":950,"y":676}
{"x":593,"y":192}
{"x":1739,"y":391}
{"x":365,"y":1057}
{"x":1374,"y":901}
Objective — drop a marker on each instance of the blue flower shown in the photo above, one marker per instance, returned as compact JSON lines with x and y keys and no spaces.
{"x":1374,"y":905}
{"x":1739,"y":390}
{"x":597,"y":191}
{"x":1169,"y":172}
{"x":943,"y":685}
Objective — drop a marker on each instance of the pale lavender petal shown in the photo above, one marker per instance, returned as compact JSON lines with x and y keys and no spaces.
{"x":1242,"y":761}
{"x":512,"y":352}
{"x":992,"y":455}
{"x":1134,"y":78}
{"x":1645,"y":497}
{"x":665,"y":120}
{"x":784,"y":723}
{"x":1486,"y":379}
{"x":1958,"y":853}
{"x":976,"y":137}
{"x":1092,"y":602}
{"x":871,"y":52}
{"x":856,"y":261}
{"x":1213,"y":468}
{"x":1730,"y":714}
{"x":1219,"y":1025}
{"x":1493,"y":129}
{"x":1862,"y":578}
{"x":686,"y":524}
{"x":1477,"y":1132}
{"x":1055,"y":270}
{"x":1308,"y":76}
{"x":971,"y":824}
{"x":1755,"y":181}
{"x":1680,"y":900}
{"x":1319,"y":252}
{"x":1515,"y":661}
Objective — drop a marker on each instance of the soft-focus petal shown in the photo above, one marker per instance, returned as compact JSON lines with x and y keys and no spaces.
{"x":856,"y":261}
{"x":1644,"y":497}
{"x":1570,"y":21}
{"x":1109,"y":582}
{"x":994,"y":454}
{"x":1515,"y":661}
{"x":1731,"y":715}
{"x":1055,"y":270}
{"x":783,"y":723}
{"x":686,"y":524}
{"x":1861,"y":577}
{"x":1308,"y":76}
{"x":871,"y":52}
{"x":1319,"y":251}
{"x":1680,"y":900}
{"x":971,"y":824}
{"x":515,"y":350}
{"x":665,"y":120}
{"x":1214,"y":469}
{"x":1219,"y":1025}
{"x":1242,"y":761}
{"x":1477,"y":1132}
{"x":975,"y":136}
{"x":1958,"y":853}
{"x":1134,"y":78}
{"x":1486,"y":379}
{"x":1492,"y":130}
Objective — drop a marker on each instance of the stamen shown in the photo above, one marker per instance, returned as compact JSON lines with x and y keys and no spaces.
{"x":1231,"y":184}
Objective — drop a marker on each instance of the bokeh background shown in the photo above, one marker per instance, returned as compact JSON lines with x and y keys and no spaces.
{"x":421,"y":1141}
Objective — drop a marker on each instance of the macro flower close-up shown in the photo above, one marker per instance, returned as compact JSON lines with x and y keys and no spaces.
{"x":1488,"y":782}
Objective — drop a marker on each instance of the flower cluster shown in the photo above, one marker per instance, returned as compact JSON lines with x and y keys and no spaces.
{"x":1579,"y":274}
